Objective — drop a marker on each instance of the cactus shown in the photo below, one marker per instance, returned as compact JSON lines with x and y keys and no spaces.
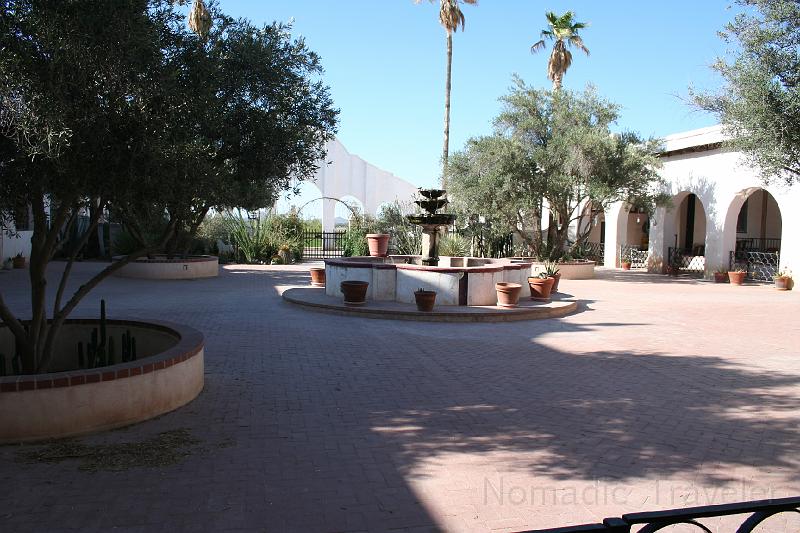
{"x":101,"y":349}
{"x":111,"y":354}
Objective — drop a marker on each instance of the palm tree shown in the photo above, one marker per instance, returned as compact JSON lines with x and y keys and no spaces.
{"x":564,"y":31}
{"x":450,"y":17}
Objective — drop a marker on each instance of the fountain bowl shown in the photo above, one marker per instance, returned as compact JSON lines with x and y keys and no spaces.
{"x":431,"y":193}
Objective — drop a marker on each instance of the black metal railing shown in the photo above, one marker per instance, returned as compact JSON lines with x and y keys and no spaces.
{"x":488,"y":246}
{"x":634,"y":254}
{"x":322,"y":244}
{"x":758,"y":512}
{"x":758,"y":245}
{"x":760,"y":266}
{"x":685,"y":260}
{"x":593,"y":251}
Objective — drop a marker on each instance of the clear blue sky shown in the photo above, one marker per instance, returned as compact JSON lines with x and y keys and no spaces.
{"x":385,"y":62}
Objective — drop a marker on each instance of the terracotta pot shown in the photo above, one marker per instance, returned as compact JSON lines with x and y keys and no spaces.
{"x":783,"y":283}
{"x":317,"y":277}
{"x":425,"y":300}
{"x":507,"y":293}
{"x":355,"y":292}
{"x":720,"y":277}
{"x":378,"y":244}
{"x":626,"y":265}
{"x":736,"y":278}
{"x":557,"y":278}
{"x":540,"y":288}
{"x":19,"y":262}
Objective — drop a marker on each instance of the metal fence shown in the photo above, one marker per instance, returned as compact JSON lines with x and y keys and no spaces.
{"x":634,"y":254}
{"x":322,"y":244}
{"x":760,"y":266}
{"x":686,"y":261}
{"x":593,"y":251}
{"x":757,"y":511}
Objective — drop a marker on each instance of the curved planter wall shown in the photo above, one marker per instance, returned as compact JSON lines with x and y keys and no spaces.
{"x":569,"y":270}
{"x":192,"y":267}
{"x":63,"y":404}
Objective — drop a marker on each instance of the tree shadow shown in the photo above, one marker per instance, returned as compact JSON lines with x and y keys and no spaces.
{"x":603,"y":414}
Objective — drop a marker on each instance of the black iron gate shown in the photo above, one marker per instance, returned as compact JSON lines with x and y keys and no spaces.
{"x":322,"y":244}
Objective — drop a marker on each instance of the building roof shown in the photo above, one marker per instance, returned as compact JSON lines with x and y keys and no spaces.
{"x":699,"y":140}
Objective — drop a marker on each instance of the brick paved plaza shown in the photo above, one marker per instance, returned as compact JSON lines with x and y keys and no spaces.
{"x":661,"y":393}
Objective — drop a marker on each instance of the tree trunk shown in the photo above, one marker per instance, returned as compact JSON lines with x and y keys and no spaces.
{"x":448,"y":81}
{"x":558,"y":78}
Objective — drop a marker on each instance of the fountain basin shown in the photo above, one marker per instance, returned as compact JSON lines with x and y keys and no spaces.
{"x":457,"y":280}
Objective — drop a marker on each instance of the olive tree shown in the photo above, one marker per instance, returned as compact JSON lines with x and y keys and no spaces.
{"x":116,"y":107}
{"x":554,"y":149}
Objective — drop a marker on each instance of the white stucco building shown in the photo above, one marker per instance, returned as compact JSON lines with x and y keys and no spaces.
{"x":722,"y":214}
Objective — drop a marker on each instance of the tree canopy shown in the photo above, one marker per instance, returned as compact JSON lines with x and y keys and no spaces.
{"x":760,"y":104}
{"x":117,"y":107}
{"x":554,"y":149}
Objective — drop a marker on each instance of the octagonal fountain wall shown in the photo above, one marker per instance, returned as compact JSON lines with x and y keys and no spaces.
{"x":457,"y":280}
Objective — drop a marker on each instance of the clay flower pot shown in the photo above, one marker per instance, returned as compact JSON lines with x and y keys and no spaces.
{"x":19,"y":262}
{"x":507,"y":293}
{"x":626,"y":265}
{"x":355,"y":292}
{"x":378,"y":244}
{"x":317,"y":277}
{"x":540,"y":288}
{"x":720,"y":277}
{"x":736,"y":278}
{"x":783,"y":283}
{"x":557,"y":278}
{"x":425,"y":300}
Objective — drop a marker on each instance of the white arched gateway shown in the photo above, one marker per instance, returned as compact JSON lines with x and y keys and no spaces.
{"x":343,"y":174}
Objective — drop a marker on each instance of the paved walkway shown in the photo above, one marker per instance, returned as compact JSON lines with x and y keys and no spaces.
{"x":661,"y":393}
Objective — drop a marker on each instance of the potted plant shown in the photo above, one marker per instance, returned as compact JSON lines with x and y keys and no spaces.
{"x":19,"y":261}
{"x":378,"y":244}
{"x":625,"y":260}
{"x":8,"y":264}
{"x":541,"y":286}
{"x":552,"y":271}
{"x":783,"y":280}
{"x":737,"y":276}
{"x":721,"y":275}
{"x":425,"y":300}
{"x":317,"y":276}
{"x":355,"y":292}
{"x":507,"y":293}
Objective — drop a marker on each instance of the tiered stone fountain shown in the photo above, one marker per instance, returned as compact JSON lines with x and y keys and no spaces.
{"x":431,"y":221}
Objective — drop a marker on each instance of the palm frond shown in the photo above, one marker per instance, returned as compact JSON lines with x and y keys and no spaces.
{"x":578,"y":43}
{"x":537,"y":46}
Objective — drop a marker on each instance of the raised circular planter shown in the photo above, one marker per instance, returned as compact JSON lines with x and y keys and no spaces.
{"x":167,"y":373}
{"x":160,"y":267}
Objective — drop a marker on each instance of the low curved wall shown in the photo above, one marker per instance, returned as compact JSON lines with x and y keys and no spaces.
{"x":569,"y":270}
{"x":192,"y":267}
{"x":396,"y":278}
{"x":63,"y":404}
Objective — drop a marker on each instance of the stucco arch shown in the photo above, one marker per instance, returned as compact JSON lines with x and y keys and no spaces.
{"x":735,"y":204}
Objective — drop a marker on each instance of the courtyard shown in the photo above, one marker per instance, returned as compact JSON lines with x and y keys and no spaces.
{"x":658,"y":393}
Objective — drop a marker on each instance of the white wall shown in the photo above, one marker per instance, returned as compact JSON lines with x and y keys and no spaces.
{"x":345,"y":174}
